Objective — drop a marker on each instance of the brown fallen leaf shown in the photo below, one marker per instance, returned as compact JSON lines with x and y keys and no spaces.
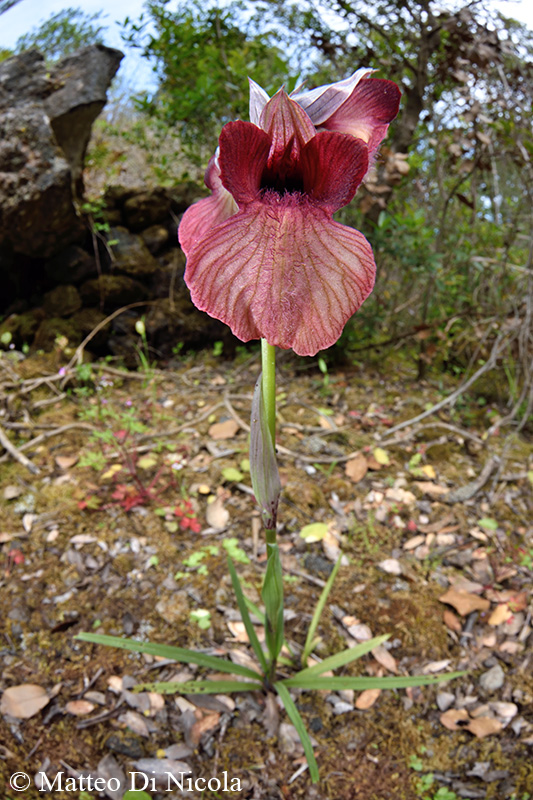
{"x":356,"y":468}
{"x":501,"y":613}
{"x":24,"y":701}
{"x":65,"y":462}
{"x":452,"y":717}
{"x":223,"y":430}
{"x":452,"y":622}
{"x":238,"y":631}
{"x":216,"y":515}
{"x":414,"y":542}
{"x":202,"y":725}
{"x":386,"y":659}
{"x":432,"y":489}
{"x":464,"y":602}
{"x":330,"y":543}
{"x":367,"y":698}
{"x":484,"y":726}
{"x":79,"y":707}
{"x":517,"y":601}
{"x":438,"y":525}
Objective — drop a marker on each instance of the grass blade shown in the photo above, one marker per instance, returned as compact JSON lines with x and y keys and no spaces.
{"x":336,"y":684}
{"x":198,"y":687}
{"x":297,"y":721}
{"x":251,"y":606}
{"x":250,"y":630}
{"x":168,"y":651}
{"x":309,"y":642}
{"x":342,"y":658}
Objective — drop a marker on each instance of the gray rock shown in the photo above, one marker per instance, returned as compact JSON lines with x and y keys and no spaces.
{"x":131,"y":255}
{"x":155,"y":238}
{"x":493,"y":679}
{"x":62,"y":301}
{"x":80,"y":83}
{"x":71,"y":265}
{"x":113,"y":290}
{"x":445,"y":700}
{"x":146,"y":208}
{"x":45,"y":124}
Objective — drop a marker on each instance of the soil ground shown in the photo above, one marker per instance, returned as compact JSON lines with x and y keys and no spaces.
{"x":143,"y":487}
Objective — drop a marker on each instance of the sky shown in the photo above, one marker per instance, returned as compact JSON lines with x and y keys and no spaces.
{"x":136,"y":72}
{"x":28,"y":14}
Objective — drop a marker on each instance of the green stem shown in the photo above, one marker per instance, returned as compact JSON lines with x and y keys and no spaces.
{"x":268,"y":368}
{"x":268,"y":365}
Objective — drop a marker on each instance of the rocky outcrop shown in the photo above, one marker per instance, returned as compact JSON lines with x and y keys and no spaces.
{"x":61,"y":273}
{"x":80,"y":86}
{"x":45,"y":125}
{"x":79,"y":285}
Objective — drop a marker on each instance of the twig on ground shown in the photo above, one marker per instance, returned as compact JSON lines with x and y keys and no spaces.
{"x":437,"y":424}
{"x":38,"y":439}
{"x":468,"y":491}
{"x":15,"y":453}
{"x":488,"y":365}
{"x":78,"y":353}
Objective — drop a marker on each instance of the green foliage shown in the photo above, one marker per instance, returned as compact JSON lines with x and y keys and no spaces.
{"x":202,"y":56}
{"x":62,"y":34}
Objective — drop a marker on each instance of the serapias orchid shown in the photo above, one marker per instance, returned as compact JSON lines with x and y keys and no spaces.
{"x":263,"y":252}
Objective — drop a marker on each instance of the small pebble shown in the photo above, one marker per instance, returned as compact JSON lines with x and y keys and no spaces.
{"x":391,"y":565}
{"x":493,"y":679}
{"x":445,"y":700}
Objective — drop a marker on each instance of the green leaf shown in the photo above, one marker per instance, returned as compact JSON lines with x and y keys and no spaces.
{"x":202,"y":617}
{"x":309,"y":642}
{"x":342,"y":658}
{"x":314,"y":532}
{"x":488,"y":523}
{"x":135,"y":794}
{"x":297,"y":721}
{"x":232,"y":474}
{"x":272,"y":595}
{"x":168,"y":651}
{"x":200,"y":687}
{"x":236,"y":553}
{"x":381,"y":456}
{"x":337,"y":684}
{"x":245,"y":616}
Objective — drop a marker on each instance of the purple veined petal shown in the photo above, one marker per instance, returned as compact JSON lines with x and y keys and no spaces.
{"x":281,"y":269}
{"x":263,"y":465}
{"x":367,"y":113}
{"x":288,"y":126}
{"x":244,"y":150}
{"x":322,"y":102}
{"x":209,"y":211}
{"x":333,"y":165}
{"x":258,"y":100}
